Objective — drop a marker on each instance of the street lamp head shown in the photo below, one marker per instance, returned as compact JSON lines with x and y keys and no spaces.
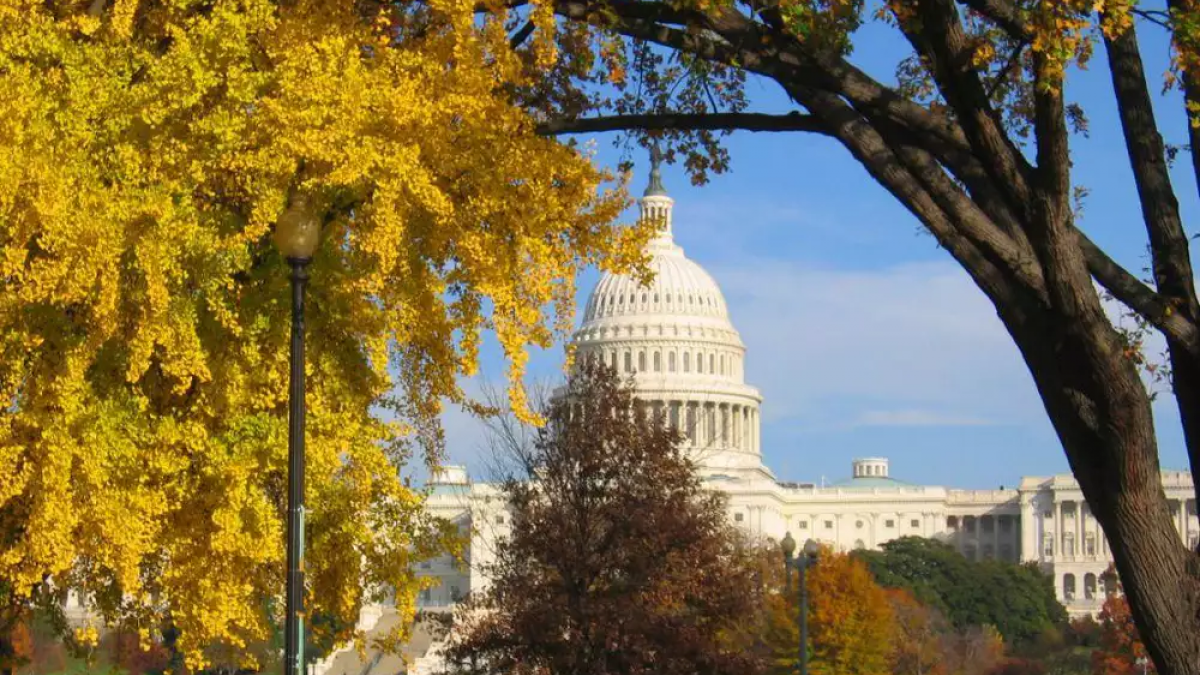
{"x":298,"y":229}
{"x":788,"y":546}
{"x":812,"y":549}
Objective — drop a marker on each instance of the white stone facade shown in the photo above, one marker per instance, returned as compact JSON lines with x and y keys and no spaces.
{"x":674,"y":338}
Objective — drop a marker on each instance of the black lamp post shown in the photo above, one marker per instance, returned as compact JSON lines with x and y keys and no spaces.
{"x":808,"y":556}
{"x":296,"y":235}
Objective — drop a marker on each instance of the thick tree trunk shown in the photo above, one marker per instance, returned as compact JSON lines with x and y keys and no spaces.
{"x":7,"y":654}
{"x":1106,"y":429}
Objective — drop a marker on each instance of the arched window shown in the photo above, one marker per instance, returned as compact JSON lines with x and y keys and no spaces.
{"x":1089,"y":586}
{"x":671,"y":362}
{"x":723,"y":365}
{"x":643,"y":297}
{"x":657,"y":362}
{"x":613,"y":361}
{"x":1068,"y":586}
{"x":641,"y":362}
{"x":687,"y":362}
{"x":699,"y":362}
{"x":711,"y":361}
{"x":628,"y":362}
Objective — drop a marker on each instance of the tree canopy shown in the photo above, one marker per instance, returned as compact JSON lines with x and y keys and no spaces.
{"x":146,"y":149}
{"x":1017,"y":599}
{"x":851,"y":625}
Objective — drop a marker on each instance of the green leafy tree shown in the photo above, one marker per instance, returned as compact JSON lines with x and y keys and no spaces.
{"x":1017,"y":599}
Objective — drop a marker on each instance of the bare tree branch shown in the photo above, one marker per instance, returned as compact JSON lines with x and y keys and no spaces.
{"x":950,"y":53}
{"x":793,"y":121}
{"x":1157,"y":17}
{"x":1139,"y":297}
{"x":1004,"y":14}
{"x":521,"y":35}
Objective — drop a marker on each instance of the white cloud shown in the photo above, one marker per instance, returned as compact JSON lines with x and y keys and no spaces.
{"x":916,"y":418}
{"x":920,"y":336}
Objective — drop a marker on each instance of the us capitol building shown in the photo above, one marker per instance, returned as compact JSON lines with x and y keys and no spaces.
{"x":676,"y":341}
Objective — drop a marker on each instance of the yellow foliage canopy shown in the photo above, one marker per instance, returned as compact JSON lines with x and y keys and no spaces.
{"x":146,"y":149}
{"x":851,"y":625}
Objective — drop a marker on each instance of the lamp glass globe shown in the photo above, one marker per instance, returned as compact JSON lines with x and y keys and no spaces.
{"x":788,"y":545}
{"x":298,"y":230}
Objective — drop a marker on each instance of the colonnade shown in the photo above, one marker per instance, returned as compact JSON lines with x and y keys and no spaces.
{"x":1083,"y":538}
{"x":712,"y":423}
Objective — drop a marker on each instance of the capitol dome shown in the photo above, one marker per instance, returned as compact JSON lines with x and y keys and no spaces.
{"x":674,"y":338}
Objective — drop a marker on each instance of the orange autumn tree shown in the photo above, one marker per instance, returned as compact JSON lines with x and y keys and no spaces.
{"x":919,"y":634}
{"x":851,"y":623}
{"x":1120,"y":644}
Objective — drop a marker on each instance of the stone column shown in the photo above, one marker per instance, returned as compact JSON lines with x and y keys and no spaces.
{"x":733,"y":425}
{"x":1058,"y":528}
{"x":1079,"y":530}
{"x":725,"y":434}
{"x":710,"y":426}
{"x":1183,"y":520}
{"x":1027,"y":547}
{"x":743,"y":426}
{"x":996,"y":537}
{"x":716,"y":424}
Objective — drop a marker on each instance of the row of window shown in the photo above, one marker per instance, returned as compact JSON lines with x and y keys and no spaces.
{"x":1068,"y":545}
{"x":989,"y":552}
{"x":1091,"y":586}
{"x":1090,"y":544}
{"x":887,"y":524}
{"x":425,"y":599}
{"x":716,"y":363}
{"x":1173,"y":504}
{"x":611,"y":302}
{"x":986,"y":523}
{"x":870,"y":470}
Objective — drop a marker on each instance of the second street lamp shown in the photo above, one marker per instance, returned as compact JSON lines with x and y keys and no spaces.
{"x":808,"y":556}
{"x":296,"y":234}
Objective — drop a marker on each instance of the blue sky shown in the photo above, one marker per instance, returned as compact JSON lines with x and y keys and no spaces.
{"x":865,"y":338}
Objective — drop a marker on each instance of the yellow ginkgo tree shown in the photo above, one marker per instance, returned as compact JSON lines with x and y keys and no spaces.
{"x":146,"y":149}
